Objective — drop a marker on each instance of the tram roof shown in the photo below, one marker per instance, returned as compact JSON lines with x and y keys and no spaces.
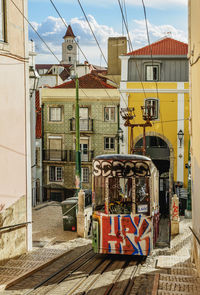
{"x":122,"y":157}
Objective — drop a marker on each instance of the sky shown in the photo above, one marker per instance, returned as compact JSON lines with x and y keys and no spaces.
{"x":164,"y":17}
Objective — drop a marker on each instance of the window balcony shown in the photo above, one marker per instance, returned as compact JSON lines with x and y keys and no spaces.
{"x":67,"y":155}
{"x":85,"y":125}
{"x":86,"y":156}
{"x":55,"y":155}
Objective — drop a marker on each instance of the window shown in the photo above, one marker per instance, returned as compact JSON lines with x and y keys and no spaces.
{"x":152,"y":73}
{"x":55,"y":114}
{"x":85,"y":174}
{"x":2,"y":20}
{"x":151,"y":108}
{"x":55,"y":173}
{"x":84,"y":115}
{"x":109,"y":114}
{"x":109,"y":143}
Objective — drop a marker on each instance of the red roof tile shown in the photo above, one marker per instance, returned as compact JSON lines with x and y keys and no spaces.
{"x":88,"y":81}
{"x":166,"y":46}
{"x":38,"y":128}
{"x":69,"y":33}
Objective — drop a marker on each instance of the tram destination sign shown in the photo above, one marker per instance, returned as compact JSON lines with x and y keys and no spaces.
{"x":119,"y":168}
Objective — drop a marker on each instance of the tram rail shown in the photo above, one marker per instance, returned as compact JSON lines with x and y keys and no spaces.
{"x":87,"y":274}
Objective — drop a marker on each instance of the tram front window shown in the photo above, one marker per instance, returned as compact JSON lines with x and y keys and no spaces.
{"x":120,"y":195}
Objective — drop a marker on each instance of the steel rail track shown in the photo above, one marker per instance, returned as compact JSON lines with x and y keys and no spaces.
{"x":59,"y":272}
{"x":111,"y":289}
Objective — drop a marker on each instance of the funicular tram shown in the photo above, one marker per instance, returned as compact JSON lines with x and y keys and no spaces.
{"x":125,"y":200}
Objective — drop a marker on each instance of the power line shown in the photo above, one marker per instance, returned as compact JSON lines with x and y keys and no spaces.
{"x":42,"y":40}
{"x":79,"y":46}
{"x":148,"y":38}
{"x":64,"y":22}
{"x":102,"y":54}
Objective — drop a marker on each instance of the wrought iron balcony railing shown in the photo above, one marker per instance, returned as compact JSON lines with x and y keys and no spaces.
{"x":84,"y":124}
{"x":55,"y":155}
{"x":86,"y":156}
{"x":67,"y":155}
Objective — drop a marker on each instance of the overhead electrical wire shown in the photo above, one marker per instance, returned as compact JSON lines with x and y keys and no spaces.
{"x":64,"y":22}
{"x":79,"y":46}
{"x":151,"y":54}
{"x":42,"y":40}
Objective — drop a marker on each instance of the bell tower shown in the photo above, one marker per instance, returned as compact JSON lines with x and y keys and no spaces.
{"x":69,"y":47}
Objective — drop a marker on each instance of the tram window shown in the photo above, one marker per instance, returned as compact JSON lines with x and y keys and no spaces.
{"x":142,"y":194}
{"x":120,"y":195}
{"x":99,"y":183}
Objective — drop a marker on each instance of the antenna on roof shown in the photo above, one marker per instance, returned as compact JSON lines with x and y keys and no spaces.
{"x":169,"y":34}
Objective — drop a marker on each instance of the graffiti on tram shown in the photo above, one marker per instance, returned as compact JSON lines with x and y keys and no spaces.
{"x":126,"y":234}
{"x":120,"y":168}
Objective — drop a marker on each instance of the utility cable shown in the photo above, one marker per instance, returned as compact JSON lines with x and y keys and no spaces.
{"x":43,"y":40}
{"x":82,"y":51}
{"x":151,"y":54}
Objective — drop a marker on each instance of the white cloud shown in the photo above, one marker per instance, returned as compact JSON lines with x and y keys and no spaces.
{"x":139,"y":34}
{"x":52,"y":31}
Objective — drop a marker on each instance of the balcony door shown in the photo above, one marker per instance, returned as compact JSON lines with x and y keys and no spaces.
{"x":84,"y":146}
{"x":83,"y":113}
{"x":55,"y":148}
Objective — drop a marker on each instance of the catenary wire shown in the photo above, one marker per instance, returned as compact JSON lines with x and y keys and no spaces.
{"x":81,"y":50}
{"x":148,"y":38}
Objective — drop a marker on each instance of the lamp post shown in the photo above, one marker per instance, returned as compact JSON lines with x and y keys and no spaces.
{"x":78,"y":153}
{"x":180,"y":137}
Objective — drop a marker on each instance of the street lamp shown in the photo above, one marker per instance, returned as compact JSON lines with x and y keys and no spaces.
{"x":33,"y":80}
{"x":180,"y":136}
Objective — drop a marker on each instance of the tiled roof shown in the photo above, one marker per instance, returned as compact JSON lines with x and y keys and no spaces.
{"x":88,"y":81}
{"x":69,"y":32}
{"x":166,"y":46}
{"x":43,"y":66}
{"x":38,"y":128}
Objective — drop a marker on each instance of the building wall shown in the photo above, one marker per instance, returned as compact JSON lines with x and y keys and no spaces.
{"x":194,"y":47}
{"x":171,"y":69}
{"x":13,"y":243}
{"x":15,"y":184}
{"x":116,"y":47}
{"x":174,"y":113}
{"x":95,"y":100}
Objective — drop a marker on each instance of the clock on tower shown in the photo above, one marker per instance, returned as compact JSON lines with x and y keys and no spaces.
{"x":69,"y":47}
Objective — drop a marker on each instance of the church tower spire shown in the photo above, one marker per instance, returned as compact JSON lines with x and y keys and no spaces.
{"x":69,"y":47}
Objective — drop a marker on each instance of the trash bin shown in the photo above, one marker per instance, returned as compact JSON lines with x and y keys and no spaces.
{"x":69,"y":208}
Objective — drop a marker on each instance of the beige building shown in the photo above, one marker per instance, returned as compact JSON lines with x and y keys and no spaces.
{"x":193,"y":54}
{"x":15,"y":171}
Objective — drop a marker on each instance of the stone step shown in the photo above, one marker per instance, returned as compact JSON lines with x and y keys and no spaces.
{"x":161,"y":292}
{"x":185,"y":271}
{"x":179,"y":278}
{"x":179,"y":287}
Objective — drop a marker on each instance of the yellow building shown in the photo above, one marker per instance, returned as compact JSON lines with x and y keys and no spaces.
{"x":157,"y":77}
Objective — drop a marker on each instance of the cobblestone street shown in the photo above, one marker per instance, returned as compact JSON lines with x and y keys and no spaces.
{"x":165,"y":272}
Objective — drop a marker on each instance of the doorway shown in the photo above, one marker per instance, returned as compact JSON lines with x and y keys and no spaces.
{"x":158,"y":150}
